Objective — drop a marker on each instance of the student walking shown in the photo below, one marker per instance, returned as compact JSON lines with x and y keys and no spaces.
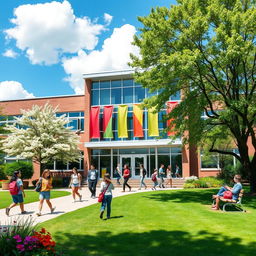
{"x":93,"y":176}
{"x":177,"y":171}
{"x":118,"y":173}
{"x":161,"y":176}
{"x":154,"y":179}
{"x":107,"y":187}
{"x":169,"y":175}
{"x":17,"y":192}
{"x":75,"y":184}
{"x":45,"y":192}
{"x":126,"y":176}
{"x":143,"y":173}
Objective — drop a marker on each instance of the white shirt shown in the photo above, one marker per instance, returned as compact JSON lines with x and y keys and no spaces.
{"x":103,"y":187}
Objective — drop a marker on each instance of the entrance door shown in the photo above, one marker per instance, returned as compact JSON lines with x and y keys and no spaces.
{"x":134,"y":161}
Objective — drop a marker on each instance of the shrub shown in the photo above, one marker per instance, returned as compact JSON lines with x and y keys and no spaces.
{"x":204,"y":182}
{"x":26,"y":169}
{"x":2,"y":173}
{"x":20,"y":238}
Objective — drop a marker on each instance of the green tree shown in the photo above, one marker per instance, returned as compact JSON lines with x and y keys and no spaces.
{"x":206,"y":48}
{"x":41,"y":136}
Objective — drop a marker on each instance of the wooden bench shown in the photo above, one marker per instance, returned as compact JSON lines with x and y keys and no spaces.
{"x":236,"y":203}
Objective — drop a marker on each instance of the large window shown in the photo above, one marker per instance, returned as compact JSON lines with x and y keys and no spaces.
{"x":76,"y":120}
{"x":125,"y":91}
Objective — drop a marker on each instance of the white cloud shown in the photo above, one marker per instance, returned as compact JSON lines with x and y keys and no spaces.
{"x":11,"y":90}
{"x":10,"y":53}
{"x":115,"y":55}
{"x":107,"y":18}
{"x":46,"y":31}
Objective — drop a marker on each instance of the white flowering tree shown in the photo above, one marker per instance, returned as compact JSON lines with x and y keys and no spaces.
{"x":41,"y":136}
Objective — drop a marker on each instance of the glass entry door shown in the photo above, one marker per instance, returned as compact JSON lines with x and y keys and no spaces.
{"x":134,"y":161}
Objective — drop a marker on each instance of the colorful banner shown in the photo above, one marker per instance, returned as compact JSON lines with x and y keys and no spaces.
{"x":170,"y":106}
{"x":122,"y":121}
{"x":95,"y":123}
{"x":107,"y":122}
{"x":137,"y":121}
{"x":153,"y":130}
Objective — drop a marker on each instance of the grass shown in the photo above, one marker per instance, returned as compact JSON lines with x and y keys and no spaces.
{"x":157,"y":223}
{"x":31,"y":196}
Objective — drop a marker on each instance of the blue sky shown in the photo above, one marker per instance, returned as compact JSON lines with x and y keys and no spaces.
{"x":47,"y":45}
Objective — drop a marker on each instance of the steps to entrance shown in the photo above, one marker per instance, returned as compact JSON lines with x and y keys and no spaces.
{"x":135,"y":183}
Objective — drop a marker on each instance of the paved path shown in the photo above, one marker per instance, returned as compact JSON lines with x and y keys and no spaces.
{"x":63,"y":205}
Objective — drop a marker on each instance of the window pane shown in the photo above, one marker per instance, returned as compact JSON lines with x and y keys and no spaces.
{"x":95,"y":85}
{"x":116,"y":83}
{"x":81,"y":126}
{"x":176,"y":160}
{"x":130,"y":121}
{"x":128,"y":95}
{"x":61,"y":166}
{"x":175,"y":96}
{"x":163,"y":159}
{"x":161,"y":120}
{"x":176,"y":150}
{"x":116,"y":96}
{"x":104,"y":84}
{"x":128,"y":82}
{"x":139,"y":94}
{"x":95,"y":97}
{"x":163,"y":150}
{"x":104,"y":97}
{"x":74,"y":124}
{"x":209,"y":161}
{"x":74,"y":114}
{"x":105,"y":165}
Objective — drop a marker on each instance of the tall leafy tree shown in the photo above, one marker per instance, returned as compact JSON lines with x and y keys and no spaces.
{"x":41,"y":136}
{"x":206,"y":48}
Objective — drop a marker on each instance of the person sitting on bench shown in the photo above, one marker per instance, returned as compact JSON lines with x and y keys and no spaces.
{"x":235,"y":192}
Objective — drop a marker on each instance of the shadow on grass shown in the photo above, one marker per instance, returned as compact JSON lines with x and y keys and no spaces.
{"x":156,"y":242}
{"x":203,"y":196}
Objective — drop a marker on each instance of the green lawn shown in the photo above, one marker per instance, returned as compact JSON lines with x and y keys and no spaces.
{"x":31,"y":196}
{"x":158,"y":223}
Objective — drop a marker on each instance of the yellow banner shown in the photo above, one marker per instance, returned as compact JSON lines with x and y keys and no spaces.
{"x":122,"y":121}
{"x":153,"y":130}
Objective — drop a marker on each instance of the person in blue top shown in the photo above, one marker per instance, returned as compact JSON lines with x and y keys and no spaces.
{"x":235,"y":192}
{"x":161,"y":176}
{"x":92,"y":177}
{"x":19,"y":197}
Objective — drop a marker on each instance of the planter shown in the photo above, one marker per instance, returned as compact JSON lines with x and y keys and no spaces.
{"x":5,"y":186}
{"x":25,"y":184}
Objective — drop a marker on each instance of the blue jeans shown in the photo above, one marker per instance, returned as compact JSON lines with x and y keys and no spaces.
{"x":221,"y":191}
{"x":142,"y":182}
{"x":106,"y":202}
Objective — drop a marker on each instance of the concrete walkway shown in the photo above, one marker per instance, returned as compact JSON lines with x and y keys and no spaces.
{"x":63,"y":205}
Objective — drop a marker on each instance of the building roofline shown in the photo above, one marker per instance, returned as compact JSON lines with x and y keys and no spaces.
{"x":109,"y":74}
{"x":45,"y":97}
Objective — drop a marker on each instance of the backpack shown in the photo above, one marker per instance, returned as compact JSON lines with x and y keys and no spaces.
{"x":153,"y":177}
{"x":13,"y":188}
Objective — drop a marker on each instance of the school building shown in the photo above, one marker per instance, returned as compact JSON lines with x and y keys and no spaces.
{"x":114,"y":129}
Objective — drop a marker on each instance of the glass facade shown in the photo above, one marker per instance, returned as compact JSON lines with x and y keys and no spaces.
{"x":107,"y":160}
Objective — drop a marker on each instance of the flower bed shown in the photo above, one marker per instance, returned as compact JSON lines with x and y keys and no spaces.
{"x":22,"y":239}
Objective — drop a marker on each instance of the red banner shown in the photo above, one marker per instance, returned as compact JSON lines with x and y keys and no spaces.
{"x":107,"y":122}
{"x":137,"y":121}
{"x":170,"y":106}
{"x":95,"y":123}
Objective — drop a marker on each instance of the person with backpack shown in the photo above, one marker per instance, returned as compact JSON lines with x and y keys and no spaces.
{"x":154,"y":179}
{"x":92,"y":177}
{"x":17,"y":192}
{"x":126,"y":176}
{"x":143,"y":173}
{"x":106,"y":187}
{"x":45,"y":191}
